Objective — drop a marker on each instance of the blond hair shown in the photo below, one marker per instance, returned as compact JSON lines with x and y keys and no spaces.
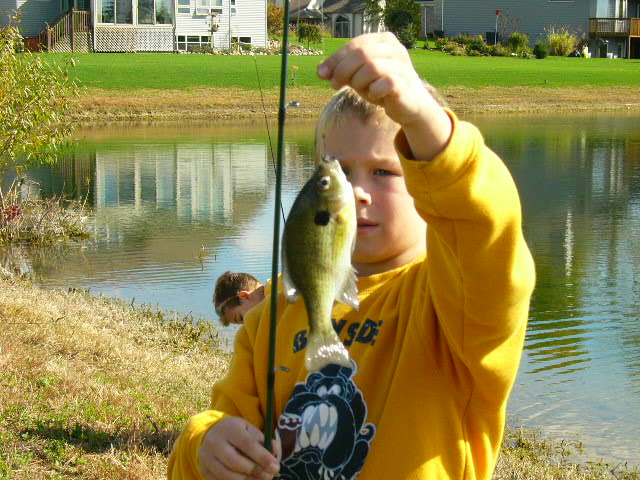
{"x":348,"y":101}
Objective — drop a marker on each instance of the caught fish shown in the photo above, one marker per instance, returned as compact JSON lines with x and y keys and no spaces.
{"x":317,"y":243}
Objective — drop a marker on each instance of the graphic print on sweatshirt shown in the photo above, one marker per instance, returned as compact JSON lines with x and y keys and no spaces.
{"x":322,"y":428}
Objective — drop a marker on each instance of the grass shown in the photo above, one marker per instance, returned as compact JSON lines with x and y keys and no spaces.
{"x":93,"y":388}
{"x":175,"y":72}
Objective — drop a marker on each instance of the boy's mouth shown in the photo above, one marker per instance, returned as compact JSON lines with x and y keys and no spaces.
{"x":365,"y":225}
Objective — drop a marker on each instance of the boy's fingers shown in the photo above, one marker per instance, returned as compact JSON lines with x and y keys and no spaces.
{"x":214,"y":469}
{"x":249,"y":443}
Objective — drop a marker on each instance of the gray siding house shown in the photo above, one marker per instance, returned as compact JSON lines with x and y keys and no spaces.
{"x":612,"y":25}
{"x":138,"y":25}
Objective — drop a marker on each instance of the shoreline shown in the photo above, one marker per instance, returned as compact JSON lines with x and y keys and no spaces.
{"x":104,"y":106}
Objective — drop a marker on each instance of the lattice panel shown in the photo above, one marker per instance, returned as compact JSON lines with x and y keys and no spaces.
{"x":81,"y":43}
{"x":134,"y":39}
{"x":154,"y":40}
{"x":115,"y":39}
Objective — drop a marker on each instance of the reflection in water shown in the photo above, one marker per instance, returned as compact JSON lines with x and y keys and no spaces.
{"x":175,"y":207}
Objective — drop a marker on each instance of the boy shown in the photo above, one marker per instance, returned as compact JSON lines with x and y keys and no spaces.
{"x":437,"y":340}
{"x":234,"y":295}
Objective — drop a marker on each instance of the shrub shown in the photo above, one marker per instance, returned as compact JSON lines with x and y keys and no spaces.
{"x":310,"y":33}
{"x":402,"y":18}
{"x":498,"y":50}
{"x":438,"y":33}
{"x":274,"y":19}
{"x":517,"y":42}
{"x":441,"y":42}
{"x":541,"y":50}
{"x":451,"y":46}
{"x":407,"y":36}
{"x":562,"y":41}
{"x":477,"y":44}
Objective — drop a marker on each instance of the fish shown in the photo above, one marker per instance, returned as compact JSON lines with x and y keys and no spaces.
{"x":317,"y":243}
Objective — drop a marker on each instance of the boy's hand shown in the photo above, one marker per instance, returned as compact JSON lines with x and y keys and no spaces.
{"x":379,"y":68}
{"x":233,"y":449}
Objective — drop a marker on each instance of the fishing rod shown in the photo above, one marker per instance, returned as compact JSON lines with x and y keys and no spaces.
{"x":271,"y":374}
{"x":266,"y":121}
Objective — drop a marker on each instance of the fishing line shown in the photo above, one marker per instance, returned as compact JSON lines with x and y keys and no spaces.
{"x":271,"y":373}
{"x":266,"y":121}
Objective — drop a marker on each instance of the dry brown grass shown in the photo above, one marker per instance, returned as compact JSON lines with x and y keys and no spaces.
{"x":91,"y":388}
{"x":234,"y":103}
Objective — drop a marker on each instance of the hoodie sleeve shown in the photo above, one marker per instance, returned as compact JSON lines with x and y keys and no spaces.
{"x":480,"y":271}
{"x":235,"y":395}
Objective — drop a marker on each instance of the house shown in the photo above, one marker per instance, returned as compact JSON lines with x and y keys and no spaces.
{"x":343,"y":18}
{"x":612,"y":26}
{"x":139,"y":25}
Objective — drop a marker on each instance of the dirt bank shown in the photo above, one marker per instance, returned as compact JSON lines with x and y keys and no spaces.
{"x":96,"y":105}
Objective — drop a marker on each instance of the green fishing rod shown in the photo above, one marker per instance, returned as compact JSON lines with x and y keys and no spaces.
{"x":282,"y":109}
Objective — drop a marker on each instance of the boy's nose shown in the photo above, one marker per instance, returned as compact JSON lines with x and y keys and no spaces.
{"x":361,"y":195}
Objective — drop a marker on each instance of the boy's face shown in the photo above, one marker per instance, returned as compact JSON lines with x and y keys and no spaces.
{"x":248,"y":300}
{"x":390,"y":231}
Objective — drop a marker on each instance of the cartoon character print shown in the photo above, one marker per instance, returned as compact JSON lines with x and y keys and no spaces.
{"x":322,"y":428}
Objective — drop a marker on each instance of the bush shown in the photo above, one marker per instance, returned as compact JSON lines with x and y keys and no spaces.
{"x":441,"y":42}
{"x":562,"y":41}
{"x":517,"y":42}
{"x":274,"y":19}
{"x":407,"y":36}
{"x":541,"y":50}
{"x":402,"y":18}
{"x":438,"y":33}
{"x":310,"y":33}
{"x":498,"y":50}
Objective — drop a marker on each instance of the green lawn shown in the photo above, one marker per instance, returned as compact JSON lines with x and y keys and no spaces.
{"x":172,"y":71}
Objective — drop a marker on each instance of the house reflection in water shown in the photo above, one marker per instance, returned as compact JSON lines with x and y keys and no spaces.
{"x":199,"y":181}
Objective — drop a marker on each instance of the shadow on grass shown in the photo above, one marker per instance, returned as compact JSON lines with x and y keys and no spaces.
{"x":93,"y":440}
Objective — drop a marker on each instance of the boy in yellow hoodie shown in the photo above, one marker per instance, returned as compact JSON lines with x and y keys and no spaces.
{"x":438,"y":337}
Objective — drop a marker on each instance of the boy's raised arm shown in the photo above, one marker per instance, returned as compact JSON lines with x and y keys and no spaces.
{"x":379,"y":68}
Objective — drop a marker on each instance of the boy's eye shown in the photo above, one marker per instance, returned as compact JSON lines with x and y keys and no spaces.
{"x":382,"y":172}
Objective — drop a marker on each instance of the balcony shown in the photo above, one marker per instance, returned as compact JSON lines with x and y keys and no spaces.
{"x":614,"y":27}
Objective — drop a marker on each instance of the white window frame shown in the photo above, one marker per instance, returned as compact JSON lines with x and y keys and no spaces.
{"x":206,"y":7}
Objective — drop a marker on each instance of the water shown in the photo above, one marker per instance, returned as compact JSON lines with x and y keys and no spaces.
{"x":175,"y":206}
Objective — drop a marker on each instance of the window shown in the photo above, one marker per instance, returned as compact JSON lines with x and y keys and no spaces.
{"x":184,"y":6}
{"x":342,"y":29}
{"x":164,"y":12}
{"x":204,"y":7}
{"x":233,"y":11}
{"x":154,"y":12}
{"x":189,"y":43}
{"x":114,"y":11}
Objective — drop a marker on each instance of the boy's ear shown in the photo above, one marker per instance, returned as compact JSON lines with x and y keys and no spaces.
{"x":244,"y":294}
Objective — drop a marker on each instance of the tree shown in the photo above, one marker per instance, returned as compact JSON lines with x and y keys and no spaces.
{"x":402,"y":17}
{"x":274,"y":19}
{"x":310,"y":33}
{"x":34,"y":99}
{"x":373,"y":12}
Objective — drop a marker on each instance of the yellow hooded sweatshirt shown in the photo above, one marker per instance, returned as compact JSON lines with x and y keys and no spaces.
{"x":435,"y":344}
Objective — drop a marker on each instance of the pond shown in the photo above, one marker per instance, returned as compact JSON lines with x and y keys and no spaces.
{"x":174,"y":206}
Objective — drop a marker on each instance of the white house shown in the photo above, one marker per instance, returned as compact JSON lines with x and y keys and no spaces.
{"x":140,"y":25}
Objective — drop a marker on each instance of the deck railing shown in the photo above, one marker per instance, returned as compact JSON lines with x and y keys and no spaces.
{"x":64,"y":27}
{"x":614,"y":27}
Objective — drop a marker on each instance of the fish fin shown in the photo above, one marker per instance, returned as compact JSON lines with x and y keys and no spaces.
{"x":290,"y":291}
{"x":349,"y":293}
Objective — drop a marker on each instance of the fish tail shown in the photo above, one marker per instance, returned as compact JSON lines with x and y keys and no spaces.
{"x":324,"y":348}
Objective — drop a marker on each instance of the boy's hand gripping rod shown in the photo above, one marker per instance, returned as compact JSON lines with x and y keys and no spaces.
{"x":268,"y":421}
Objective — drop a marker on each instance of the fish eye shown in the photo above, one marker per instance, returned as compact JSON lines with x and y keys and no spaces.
{"x":324,"y":182}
